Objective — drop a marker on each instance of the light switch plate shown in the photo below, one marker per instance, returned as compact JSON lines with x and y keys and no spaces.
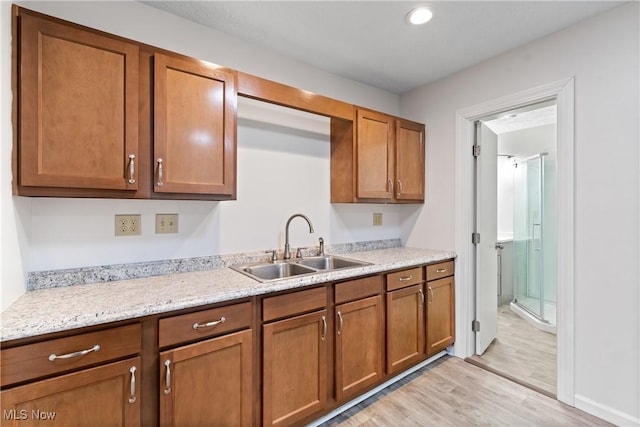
{"x":166,"y":223}
{"x":128,"y":225}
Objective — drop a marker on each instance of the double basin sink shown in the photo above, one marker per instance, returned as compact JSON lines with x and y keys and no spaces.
{"x":277,"y":270}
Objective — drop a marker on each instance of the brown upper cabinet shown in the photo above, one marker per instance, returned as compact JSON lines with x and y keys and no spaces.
{"x":96,"y":115}
{"x":410,"y":158}
{"x":194,"y":127}
{"x":102,"y":116}
{"x":378,"y":159}
{"x":78,"y":117}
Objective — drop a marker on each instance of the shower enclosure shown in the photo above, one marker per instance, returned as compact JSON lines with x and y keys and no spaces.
{"x":534,"y":240}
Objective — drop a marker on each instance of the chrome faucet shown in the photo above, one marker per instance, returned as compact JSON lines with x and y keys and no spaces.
{"x":287,"y":249}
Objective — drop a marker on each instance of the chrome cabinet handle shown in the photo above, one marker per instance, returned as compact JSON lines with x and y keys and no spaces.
{"x":132,"y":169}
{"x":53,"y":357}
{"x":431,"y":294}
{"x":340,"y":323}
{"x":160,"y":182}
{"x":132,"y":398}
{"x":421,"y":296}
{"x":399,"y":187}
{"x":324,"y":328}
{"x":167,"y":377}
{"x":197,"y":326}
{"x":405,"y":278}
{"x":441,"y":270}
{"x":390,"y":186}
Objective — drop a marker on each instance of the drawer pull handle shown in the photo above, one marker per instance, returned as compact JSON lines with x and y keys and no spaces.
{"x":340,"y":322}
{"x":53,"y":357}
{"x":405,"y":278}
{"x":167,"y":377}
{"x":132,"y":398}
{"x":132,"y":169}
{"x":431,"y":294}
{"x":421,"y":296}
{"x":197,"y":326}
{"x":441,"y":270}
{"x":324,"y":328}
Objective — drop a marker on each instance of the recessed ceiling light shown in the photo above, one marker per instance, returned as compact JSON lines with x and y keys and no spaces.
{"x":419,"y":15}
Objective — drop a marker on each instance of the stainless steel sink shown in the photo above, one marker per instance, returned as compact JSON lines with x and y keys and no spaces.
{"x":329,"y":262}
{"x":272,"y":271}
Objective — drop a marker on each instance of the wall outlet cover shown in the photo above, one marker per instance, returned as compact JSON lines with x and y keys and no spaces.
{"x":377,"y":219}
{"x":128,"y":225}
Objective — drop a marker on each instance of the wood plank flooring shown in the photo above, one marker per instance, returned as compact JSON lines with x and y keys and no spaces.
{"x":451,"y":392}
{"x":522,"y":352}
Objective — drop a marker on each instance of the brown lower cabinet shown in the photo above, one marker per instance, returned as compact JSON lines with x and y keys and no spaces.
{"x":440,"y":315}
{"x":440,"y":295}
{"x":103,"y":396}
{"x":359,"y":341}
{"x":318,"y":348}
{"x":208,"y":383}
{"x":405,"y":327}
{"x":91,"y":378}
{"x":295,"y":365}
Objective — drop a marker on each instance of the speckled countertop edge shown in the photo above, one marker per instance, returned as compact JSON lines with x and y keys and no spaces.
{"x":46,"y":311}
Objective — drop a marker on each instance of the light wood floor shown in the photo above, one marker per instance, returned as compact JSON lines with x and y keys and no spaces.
{"x":522,"y":353}
{"x":452,"y":392}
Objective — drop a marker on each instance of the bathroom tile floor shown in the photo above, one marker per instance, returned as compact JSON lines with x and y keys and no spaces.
{"x":521,"y":353}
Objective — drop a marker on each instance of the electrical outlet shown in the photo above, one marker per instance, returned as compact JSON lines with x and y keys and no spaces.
{"x":128,"y":225}
{"x":166,"y":223}
{"x":377,"y":219}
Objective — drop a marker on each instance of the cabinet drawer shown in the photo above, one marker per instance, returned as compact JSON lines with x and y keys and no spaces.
{"x":404,"y":278}
{"x":293,"y":303}
{"x":203,"y":324}
{"x":64,"y":354}
{"x":439,"y":270}
{"x":359,"y":288}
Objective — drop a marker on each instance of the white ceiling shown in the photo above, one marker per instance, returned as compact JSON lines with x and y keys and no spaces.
{"x":369,"y":41}
{"x":530,"y":117}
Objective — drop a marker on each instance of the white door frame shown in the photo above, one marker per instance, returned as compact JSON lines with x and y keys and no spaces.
{"x":563,"y":93}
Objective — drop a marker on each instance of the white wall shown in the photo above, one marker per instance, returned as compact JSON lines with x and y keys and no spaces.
{"x":293,"y":164}
{"x":602,"y":53}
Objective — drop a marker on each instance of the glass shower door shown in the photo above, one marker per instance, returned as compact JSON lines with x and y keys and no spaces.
{"x":528,"y":235}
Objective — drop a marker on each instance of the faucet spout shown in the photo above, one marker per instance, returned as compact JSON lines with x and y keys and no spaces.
{"x":287,"y":249}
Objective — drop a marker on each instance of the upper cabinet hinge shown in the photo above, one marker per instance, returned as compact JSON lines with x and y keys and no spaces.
{"x":475,"y":238}
{"x":475,"y":326}
{"x":476,"y":150}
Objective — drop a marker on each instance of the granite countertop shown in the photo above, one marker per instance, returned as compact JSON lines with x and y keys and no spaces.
{"x":45,"y":311}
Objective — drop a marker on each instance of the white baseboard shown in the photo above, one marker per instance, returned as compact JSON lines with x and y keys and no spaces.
{"x":605,"y":412}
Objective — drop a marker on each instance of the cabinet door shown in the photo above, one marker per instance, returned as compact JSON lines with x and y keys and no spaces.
{"x":359,"y":345}
{"x":440,"y":315}
{"x":104,"y":396}
{"x":78,"y":110}
{"x":405,"y":327}
{"x":208,"y":383}
{"x":295,"y":368}
{"x":374,"y":155}
{"x":194,"y":127}
{"x":409,"y":160}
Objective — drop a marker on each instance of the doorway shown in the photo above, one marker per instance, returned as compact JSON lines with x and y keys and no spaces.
{"x":516,"y":253}
{"x":563,"y":93}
